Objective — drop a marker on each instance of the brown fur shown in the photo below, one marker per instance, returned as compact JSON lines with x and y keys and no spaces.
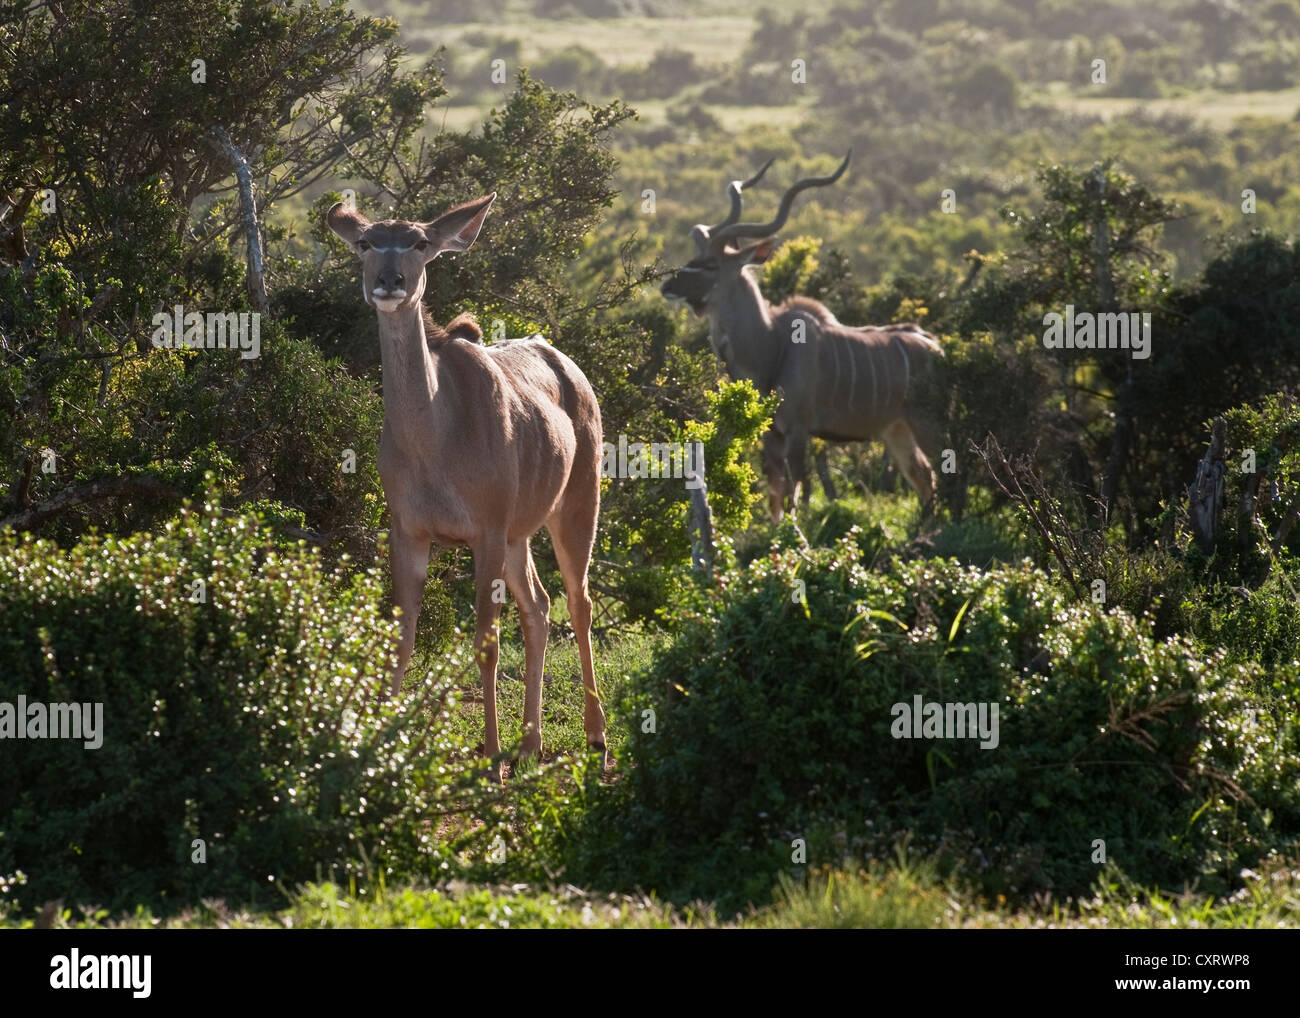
{"x":837,"y":382}
{"x":482,"y":446}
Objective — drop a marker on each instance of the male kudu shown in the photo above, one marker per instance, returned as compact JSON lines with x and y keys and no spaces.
{"x":481,"y":447}
{"x":838,"y":382}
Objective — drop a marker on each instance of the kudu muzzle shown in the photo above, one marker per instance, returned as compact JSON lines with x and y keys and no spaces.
{"x":691,"y":285}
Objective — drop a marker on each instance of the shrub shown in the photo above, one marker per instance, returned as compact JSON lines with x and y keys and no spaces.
{"x":773,"y":723}
{"x":667,"y":73}
{"x":988,"y":85}
{"x":572,"y":67}
{"x":790,"y":268}
{"x":244,"y":715}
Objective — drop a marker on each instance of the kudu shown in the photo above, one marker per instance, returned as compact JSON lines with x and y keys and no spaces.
{"x":481,"y":447}
{"x":838,"y":382}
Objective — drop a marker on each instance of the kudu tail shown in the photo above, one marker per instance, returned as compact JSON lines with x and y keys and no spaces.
{"x":921,"y":400}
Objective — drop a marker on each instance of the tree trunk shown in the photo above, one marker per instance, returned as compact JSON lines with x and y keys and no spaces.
{"x":1205,"y":496}
{"x":1106,"y":303}
{"x":701,"y":519}
{"x":256,"y":278}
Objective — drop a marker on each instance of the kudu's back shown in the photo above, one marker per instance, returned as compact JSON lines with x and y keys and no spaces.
{"x":847,"y":383}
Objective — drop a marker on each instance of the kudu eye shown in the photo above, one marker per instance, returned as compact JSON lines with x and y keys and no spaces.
{"x":421,"y":245}
{"x":363,"y":245}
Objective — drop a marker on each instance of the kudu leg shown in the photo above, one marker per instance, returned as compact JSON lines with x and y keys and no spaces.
{"x":572,"y":538}
{"x":410,"y":565}
{"x":902,"y":445}
{"x":796,"y":455}
{"x":777,"y":471}
{"x":824,"y":472}
{"x":489,"y":583}
{"x":805,"y":487}
{"x":534,"y":620}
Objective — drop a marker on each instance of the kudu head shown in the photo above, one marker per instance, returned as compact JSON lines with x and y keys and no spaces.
{"x":394,"y":252}
{"x":719,"y":254}
{"x":695,"y":281}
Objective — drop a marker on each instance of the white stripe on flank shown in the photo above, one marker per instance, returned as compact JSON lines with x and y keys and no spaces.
{"x":872,"y":361}
{"x":907,"y":367}
{"x":853,"y":368}
{"x":835,"y":352}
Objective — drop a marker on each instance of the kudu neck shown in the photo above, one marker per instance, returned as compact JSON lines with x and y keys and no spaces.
{"x":410,"y":378}
{"x":741,"y":323}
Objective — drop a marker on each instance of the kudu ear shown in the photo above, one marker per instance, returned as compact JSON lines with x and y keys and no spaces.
{"x":757,"y":254}
{"x":458,"y":228}
{"x":347,"y":223}
{"x":700,"y":235}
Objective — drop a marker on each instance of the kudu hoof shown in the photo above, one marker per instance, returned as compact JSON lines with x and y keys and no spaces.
{"x":599,"y":747}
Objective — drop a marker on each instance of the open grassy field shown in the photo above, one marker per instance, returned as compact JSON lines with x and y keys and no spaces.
{"x":650,"y":111}
{"x":715,"y":31}
{"x":1221,"y":110}
{"x":712,"y":39}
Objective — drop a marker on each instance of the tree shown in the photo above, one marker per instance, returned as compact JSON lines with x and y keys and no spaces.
{"x":1091,"y":246}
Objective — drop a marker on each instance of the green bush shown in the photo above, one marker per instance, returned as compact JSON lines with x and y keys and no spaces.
{"x":1261,"y":625}
{"x":988,"y":85}
{"x":244,"y":715}
{"x":773,"y":723}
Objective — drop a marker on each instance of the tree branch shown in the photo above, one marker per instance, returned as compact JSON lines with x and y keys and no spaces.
{"x":130,"y":486}
{"x":252,"y":231}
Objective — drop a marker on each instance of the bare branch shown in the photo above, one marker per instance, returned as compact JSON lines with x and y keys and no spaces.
{"x":252,"y":231}
{"x":131,"y":486}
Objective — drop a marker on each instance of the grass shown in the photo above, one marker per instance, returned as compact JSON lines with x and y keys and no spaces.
{"x":1219,"y":109}
{"x":736,"y":118}
{"x":987,"y":534}
{"x":903,"y":895}
{"x":712,"y":39}
{"x":471,"y":117}
{"x":618,"y":656}
{"x":715,"y":31}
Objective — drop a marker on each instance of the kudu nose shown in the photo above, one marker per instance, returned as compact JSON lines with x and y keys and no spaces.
{"x":388,"y":281}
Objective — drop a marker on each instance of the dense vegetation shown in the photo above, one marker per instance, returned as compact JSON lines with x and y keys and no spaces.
{"x":1140,"y":643}
{"x":1106,"y":736}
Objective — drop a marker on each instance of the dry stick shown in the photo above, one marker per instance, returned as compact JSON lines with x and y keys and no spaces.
{"x":1283,"y":531}
{"x":81,"y":494}
{"x":1272,"y":551}
{"x":252,"y":231}
{"x":701,"y":522}
{"x":25,"y":485}
{"x":13,"y":241}
{"x":1205,"y":497}
{"x":992,"y":447}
